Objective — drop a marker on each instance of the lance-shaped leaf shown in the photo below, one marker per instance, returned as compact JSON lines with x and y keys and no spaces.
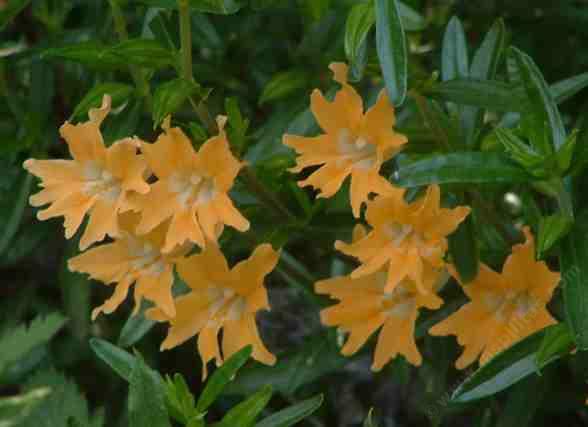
{"x":489,"y":94}
{"x":557,"y":342}
{"x":503,"y":370}
{"x":392,"y":50}
{"x":170,"y":96}
{"x":292,"y":415}
{"x":547,"y":132}
{"x":245,"y":413}
{"x":360,"y":20}
{"x":574,"y":267}
{"x":551,"y":229}
{"x":118,"y":92}
{"x":522,"y":153}
{"x":461,"y":167}
{"x":146,"y":398}
{"x":454,"y":53}
{"x":221,"y":377}
{"x":484,"y":67}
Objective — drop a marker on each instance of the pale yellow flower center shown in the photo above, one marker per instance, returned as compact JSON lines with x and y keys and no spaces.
{"x":146,"y":257}
{"x":192,"y":189}
{"x":356,"y":149}
{"x":225,"y":304}
{"x":504,"y":306}
{"x":99,"y":181}
{"x":400,"y":302}
{"x":405,"y":234}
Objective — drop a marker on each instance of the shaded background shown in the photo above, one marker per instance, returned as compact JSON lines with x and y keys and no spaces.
{"x":236,"y":56}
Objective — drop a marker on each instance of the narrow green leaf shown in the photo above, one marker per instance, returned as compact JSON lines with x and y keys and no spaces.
{"x":119,"y":92}
{"x":392,"y":50}
{"x":565,"y":154}
{"x":170,"y":96}
{"x":222,"y":7}
{"x":16,"y":203}
{"x":146,"y":398}
{"x":119,"y":360}
{"x":522,"y":402}
{"x":245,"y":413}
{"x":316,"y":358}
{"x":18,"y":342}
{"x":547,"y":126}
{"x":551,"y":229}
{"x":463,"y":167}
{"x":221,"y":377}
{"x":16,"y":408}
{"x":454,"y":53}
{"x":484,"y":67}
{"x":180,"y":400}
{"x":10,"y":10}
{"x":360,"y":20}
{"x":75,"y":294}
{"x":574,"y":268}
{"x":522,"y":153}
{"x":134,"y":329}
{"x":91,"y":54}
{"x":565,"y":89}
{"x":489,"y":94}
{"x":292,"y":415}
{"x":557,"y":342}
{"x":464,"y":250}
{"x":411,"y":19}
{"x":283,"y":84}
{"x":503,"y":370}
{"x":147,"y":53}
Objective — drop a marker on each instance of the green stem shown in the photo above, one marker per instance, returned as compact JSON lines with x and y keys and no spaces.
{"x":186,"y":70}
{"x":265,"y":195}
{"x":137,"y":74}
{"x":186,"y":39}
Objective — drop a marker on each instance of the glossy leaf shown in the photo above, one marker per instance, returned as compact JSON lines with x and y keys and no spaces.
{"x":463,"y":248}
{"x":221,"y":377}
{"x":170,"y":96}
{"x":551,"y":229}
{"x":135,"y":328}
{"x":316,"y":358}
{"x":144,"y":53}
{"x":180,"y":400}
{"x":119,"y":92}
{"x":292,"y":415}
{"x":574,"y":268}
{"x":146,"y":398}
{"x":117,"y":359}
{"x":465,"y":167}
{"x":454,"y":53}
{"x":489,"y":94}
{"x":360,"y":20}
{"x":91,"y":54}
{"x":557,"y":342}
{"x":245,"y":413}
{"x":282,"y":85}
{"x":221,"y":7}
{"x":567,"y":88}
{"x":411,"y":19}
{"x":503,"y":370}
{"x":548,"y":132}
{"x":484,"y":67}
{"x":522,"y":153}
{"x":392,"y":50}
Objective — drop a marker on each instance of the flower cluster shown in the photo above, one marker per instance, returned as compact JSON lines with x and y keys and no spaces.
{"x":164,"y":206}
{"x":402,"y":258}
{"x":156,"y":201}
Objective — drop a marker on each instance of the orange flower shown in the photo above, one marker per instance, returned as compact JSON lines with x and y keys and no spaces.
{"x":98,"y":180}
{"x":365,"y":306}
{"x":221,"y":298}
{"x":353,"y":144}
{"x":504,"y":308}
{"x":192,"y":187}
{"x":132,"y":259}
{"x":410,"y":239}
